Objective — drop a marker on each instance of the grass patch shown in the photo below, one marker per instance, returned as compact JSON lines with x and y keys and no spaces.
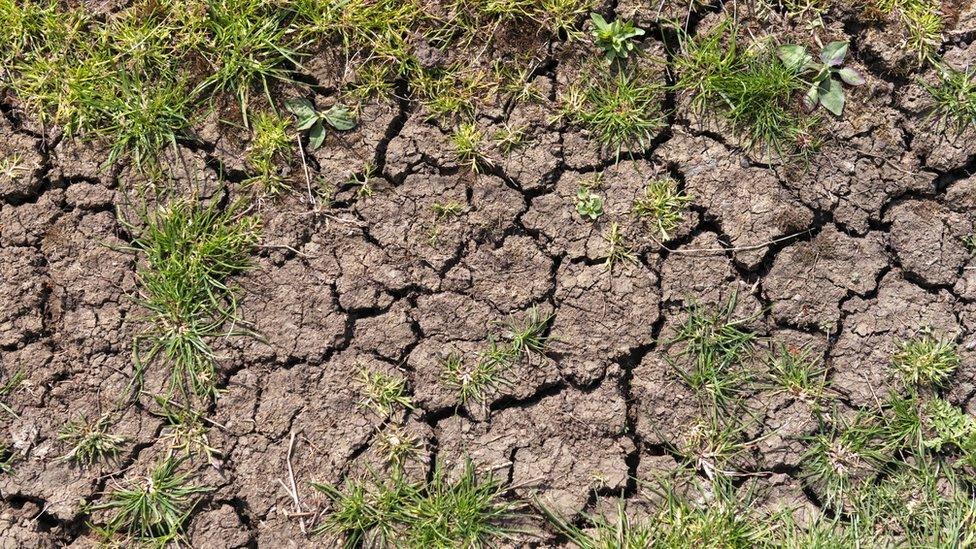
{"x":621,"y":111}
{"x":926,"y":360}
{"x":268,"y":152}
{"x":750,"y":86}
{"x":955,"y":99}
{"x":153,"y":509}
{"x":662,"y":206}
{"x":923,"y":24}
{"x":520,"y":339}
{"x":190,"y":251}
{"x":468,"y":511}
{"x":383,"y":394}
{"x":90,"y":441}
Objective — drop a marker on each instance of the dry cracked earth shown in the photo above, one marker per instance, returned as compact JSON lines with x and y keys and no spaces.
{"x":847,"y":255}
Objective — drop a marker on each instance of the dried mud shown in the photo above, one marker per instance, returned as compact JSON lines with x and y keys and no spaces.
{"x":847,"y":254}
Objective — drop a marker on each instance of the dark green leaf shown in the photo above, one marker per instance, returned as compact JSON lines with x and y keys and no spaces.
{"x":340,"y":118}
{"x":793,"y":56}
{"x":833,"y":53}
{"x":851,"y":76}
{"x":316,"y":136}
{"x":302,"y":108}
{"x":811,"y":97}
{"x":833,"y":97}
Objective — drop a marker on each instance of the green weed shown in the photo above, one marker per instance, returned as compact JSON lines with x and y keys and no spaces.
{"x":955,"y":100}
{"x":845,"y":459}
{"x":383,"y":393}
{"x":662,"y":205}
{"x":588,"y":204}
{"x":926,"y":360}
{"x":469,"y":511}
{"x":469,"y":145}
{"x":618,"y":250}
{"x":190,"y":251}
{"x":615,"y":39}
{"x":620,"y":111}
{"x":923,"y":23}
{"x":268,"y":150}
{"x":90,"y":441}
{"x":798,"y":373}
{"x":8,"y":387}
{"x":153,"y":509}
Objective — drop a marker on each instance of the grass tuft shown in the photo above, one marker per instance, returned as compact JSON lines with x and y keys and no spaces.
{"x":926,"y":361}
{"x":153,"y":509}
{"x":662,"y":205}
{"x":190,"y":251}
{"x":90,"y":441}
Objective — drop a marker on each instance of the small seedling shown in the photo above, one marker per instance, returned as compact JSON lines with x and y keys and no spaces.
{"x":90,"y":441}
{"x":270,"y":146}
{"x":798,"y":373}
{"x":7,"y":459}
{"x":478,"y":381}
{"x":185,"y":432}
{"x":824,"y":88}
{"x":447,"y":210}
{"x":588,"y":204}
{"x":468,"y":146}
{"x":528,"y":335}
{"x":383,"y":393}
{"x":12,"y":168}
{"x":926,"y":360}
{"x":337,"y":117}
{"x":398,"y":446}
{"x":509,"y":138}
{"x":615,"y":39}
{"x":154,"y":508}
{"x":955,"y":105}
{"x":663,"y":205}
{"x":8,"y":387}
{"x":617,"y":248}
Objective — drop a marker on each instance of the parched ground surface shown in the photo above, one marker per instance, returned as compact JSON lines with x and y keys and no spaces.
{"x":847,"y":255}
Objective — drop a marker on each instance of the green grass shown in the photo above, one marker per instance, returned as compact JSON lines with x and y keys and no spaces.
{"x":184,"y":431}
{"x":90,"y":441}
{"x":7,"y":459}
{"x":926,"y":360}
{"x":269,"y":151}
{"x":469,"y":147}
{"x":618,"y":249}
{"x":189,"y":252}
{"x":520,"y":339}
{"x":798,"y":373}
{"x":710,"y":348}
{"x":152,"y":509}
{"x":247,"y":47}
{"x":955,"y":98}
{"x":662,"y":206}
{"x":465,"y":510}
{"x":8,"y":387}
{"x":382,"y":393}
{"x":397,"y":446}
{"x":621,"y":111}
{"x":844,"y":459}
{"x":751,"y":88}
{"x":923,"y":24}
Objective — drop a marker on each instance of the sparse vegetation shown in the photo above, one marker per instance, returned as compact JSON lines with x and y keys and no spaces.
{"x":922,"y":22}
{"x":955,"y":101}
{"x":926,"y":360}
{"x":662,"y":205}
{"x":469,"y":510}
{"x":190,"y":250}
{"x":490,"y":370}
{"x":89,"y":441}
{"x":618,"y":249}
{"x":153,"y":509}
{"x":8,"y":387}
{"x":383,"y":393}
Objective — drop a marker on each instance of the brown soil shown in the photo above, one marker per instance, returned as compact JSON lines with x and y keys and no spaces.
{"x":874,"y":253}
